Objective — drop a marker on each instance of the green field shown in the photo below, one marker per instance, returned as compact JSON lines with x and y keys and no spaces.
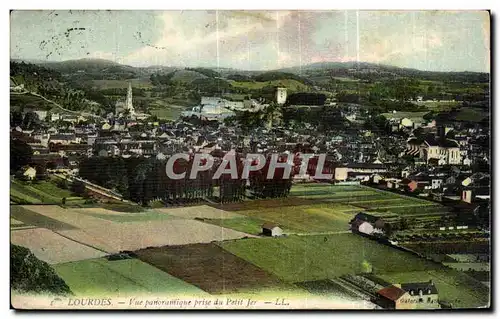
{"x":167,"y":112}
{"x":39,"y":192}
{"x":23,"y":197}
{"x":20,"y":101}
{"x":325,"y":208}
{"x":100,"y":277}
{"x":290,"y":84}
{"x":313,"y":208}
{"x":145,"y":216}
{"x":471,"y":114}
{"x":443,"y":106}
{"x":367,"y":198}
{"x":401,"y":114}
{"x":306,"y":218}
{"x":307,"y":258}
{"x":52,"y":189}
{"x":247,"y":225}
{"x":123,"y":207}
{"x":121,"y":84}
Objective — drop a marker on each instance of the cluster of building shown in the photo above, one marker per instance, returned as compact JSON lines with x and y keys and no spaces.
{"x":442,"y":153}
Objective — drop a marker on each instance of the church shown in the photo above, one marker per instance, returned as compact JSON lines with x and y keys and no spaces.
{"x":122,"y":107}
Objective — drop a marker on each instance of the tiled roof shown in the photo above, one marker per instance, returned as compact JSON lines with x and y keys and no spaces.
{"x":392,"y":292}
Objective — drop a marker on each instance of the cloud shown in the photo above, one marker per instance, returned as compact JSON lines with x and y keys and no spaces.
{"x":266,"y":39}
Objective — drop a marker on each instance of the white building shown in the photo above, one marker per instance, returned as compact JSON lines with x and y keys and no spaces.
{"x":271,"y":230}
{"x":30,"y":173}
{"x":281,"y":96}
{"x":445,"y":151}
{"x":366,"y":228}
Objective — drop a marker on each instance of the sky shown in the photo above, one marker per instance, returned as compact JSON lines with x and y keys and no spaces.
{"x":256,"y":40}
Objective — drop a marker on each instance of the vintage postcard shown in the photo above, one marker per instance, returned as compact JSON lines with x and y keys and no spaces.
{"x":250,"y":159}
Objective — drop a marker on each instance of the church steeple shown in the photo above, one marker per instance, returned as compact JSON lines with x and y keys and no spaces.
{"x":128,"y":104}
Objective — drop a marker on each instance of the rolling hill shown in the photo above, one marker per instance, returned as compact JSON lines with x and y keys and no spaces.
{"x":105,"y":69}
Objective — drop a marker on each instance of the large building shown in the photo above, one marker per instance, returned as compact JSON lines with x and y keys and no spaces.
{"x":442,"y":150}
{"x":122,"y":107}
{"x":213,"y":108}
{"x":280,"y":96}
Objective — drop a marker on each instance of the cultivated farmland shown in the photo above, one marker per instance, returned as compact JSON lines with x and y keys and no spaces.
{"x":121,"y":217}
{"x":244,"y":224}
{"x":368,"y":199}
{"x":211,"y":268}
{"x":202,"y":211}
{"x":137,"y":235}
{"x":308,"y":258}
{"x":40,"y":192}
{"x":51,"y":247}
{"x":29,"y":217}
{"x":112,"y":236}
{"x":101,"y":277}
{"x":294,"y":215}
{"x":323,"y":208}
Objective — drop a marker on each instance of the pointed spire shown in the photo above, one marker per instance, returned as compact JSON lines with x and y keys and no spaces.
{"x":128,"y":104}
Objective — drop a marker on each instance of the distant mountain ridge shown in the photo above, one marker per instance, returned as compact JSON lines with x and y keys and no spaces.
{"x":320,"y":72}
{"x":86,"y":62}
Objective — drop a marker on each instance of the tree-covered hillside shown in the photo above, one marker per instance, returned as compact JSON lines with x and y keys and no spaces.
{"x":29,"y":274}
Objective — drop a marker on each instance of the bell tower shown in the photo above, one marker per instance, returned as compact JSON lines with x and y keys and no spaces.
{"x":128,"y":104}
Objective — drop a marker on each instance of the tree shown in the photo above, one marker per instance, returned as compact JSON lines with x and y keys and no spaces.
{"x":16,"y":118}
{"x":62,"y":183}
{"x":403,"y":224}
{"x":78,"y":187}
{"x":31,"y":120}
{"x":20,"y":154}
{"x":29,"y":274}
{"x":41,"y":171}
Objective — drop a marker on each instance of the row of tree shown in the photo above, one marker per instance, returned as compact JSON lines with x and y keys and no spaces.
{"x":144,"y":179}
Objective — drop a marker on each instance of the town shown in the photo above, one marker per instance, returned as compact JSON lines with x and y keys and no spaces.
{"x":355,"y":180}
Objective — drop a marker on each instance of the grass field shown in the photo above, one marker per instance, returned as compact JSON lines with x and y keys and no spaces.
{"x":39,"y":192}
{"x":313,"y":208}
{"x":304,"y":218}
{"x":471,"y":114}
{"x":368,"y":199}
{"x":121,"y":84}
{"x":123,"y":207}
{"x":20,"y":196}
{"x":308,"y":258}
{"x":400,"y":115}
{"x":121,"y":217}
{"x":100,"y":277}
{"x":247,"y":225}
{"x":200,"y":211}
{"x":290,"y":84}
{"x":439,"y":106}
{"x":52,"y":189}
{"x":20,"y":101}
{"x":167,"y":112}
